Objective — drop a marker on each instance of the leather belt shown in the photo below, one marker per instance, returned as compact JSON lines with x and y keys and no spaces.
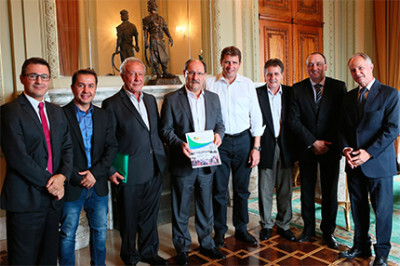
{"x":236,"y":135}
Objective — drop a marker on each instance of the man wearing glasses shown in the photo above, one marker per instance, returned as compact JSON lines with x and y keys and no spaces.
{"x":37,"y":146}
{"x":191,"y":109}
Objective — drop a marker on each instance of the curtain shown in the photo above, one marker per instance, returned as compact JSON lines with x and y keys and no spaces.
{"x":68,"y":36}
{"x":387,"y":41}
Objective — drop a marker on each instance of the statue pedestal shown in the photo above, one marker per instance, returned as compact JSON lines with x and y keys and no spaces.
{"x":174,"y":80}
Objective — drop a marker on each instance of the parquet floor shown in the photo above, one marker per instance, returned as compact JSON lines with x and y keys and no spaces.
{"x":277,"y":251}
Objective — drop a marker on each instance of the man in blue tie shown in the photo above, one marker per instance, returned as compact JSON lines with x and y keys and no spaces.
{"x":370,"y":125}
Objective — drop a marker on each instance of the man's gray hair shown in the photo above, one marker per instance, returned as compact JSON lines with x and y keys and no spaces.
{"x":122,"y":68}
{"x":363,"y":55}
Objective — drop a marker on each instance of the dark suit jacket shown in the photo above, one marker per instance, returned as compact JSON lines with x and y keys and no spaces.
{"x":104,"y":147}
{"x":177,"y":119}
{"x":268,"y":138}
{"x":24,"y":146}
{"x":307,"y":124}
{"x":134,"y":138}
{"x":375,"y":131}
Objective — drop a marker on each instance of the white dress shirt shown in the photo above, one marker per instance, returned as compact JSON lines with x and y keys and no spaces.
{"x":35,"y":105}
{"x":197,"y":106}
{"x":275,"y":102}
{"x":139,"y":105}
{"x":239,"y":104}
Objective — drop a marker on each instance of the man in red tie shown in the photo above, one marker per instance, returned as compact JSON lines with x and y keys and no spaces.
{"x":37,"y":146}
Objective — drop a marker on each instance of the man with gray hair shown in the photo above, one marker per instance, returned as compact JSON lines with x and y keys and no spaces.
{"x":369,"y":126}
{"x":136,"y":119}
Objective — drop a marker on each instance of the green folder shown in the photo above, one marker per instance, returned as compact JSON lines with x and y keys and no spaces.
{"x":121,"y":163}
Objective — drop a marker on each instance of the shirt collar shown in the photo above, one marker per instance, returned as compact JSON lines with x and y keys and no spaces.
{"x":279,"y":91}
{"x":221,"y":77}
{"x":322,"y":82}
{"x":369,"y":85}
{"x":191,"y":94}
{"x":33,"y":101}
{"x":130,"y":94}
{"x":78,"y":110}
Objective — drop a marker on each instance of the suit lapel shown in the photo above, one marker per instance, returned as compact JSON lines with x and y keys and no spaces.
{"x":373,"y":92}
{"x":127,"y":102}
{"x":32,"y":113}
{"x":98,"y":126}
{"x":74,"y":125}
{"x":149,"y":109}
{"x":267,"y":109}
{"x":186,"y":107}
{"x":309,"y":91}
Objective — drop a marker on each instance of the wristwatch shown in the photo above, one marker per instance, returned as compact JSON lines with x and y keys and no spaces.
{"x":258,"y":148}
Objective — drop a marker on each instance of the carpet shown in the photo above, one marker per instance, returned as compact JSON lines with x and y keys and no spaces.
{"x":345,"y":237}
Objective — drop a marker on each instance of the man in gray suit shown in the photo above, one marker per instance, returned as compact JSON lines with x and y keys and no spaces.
{"x":191,"y":109}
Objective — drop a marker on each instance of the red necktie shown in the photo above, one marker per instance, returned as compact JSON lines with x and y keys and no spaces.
{"x":47,"y":135}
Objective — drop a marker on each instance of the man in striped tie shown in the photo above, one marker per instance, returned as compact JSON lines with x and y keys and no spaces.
{"x":314,"y":119}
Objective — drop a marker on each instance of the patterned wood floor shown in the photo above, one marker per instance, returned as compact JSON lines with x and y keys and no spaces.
{"x":277,"y":251}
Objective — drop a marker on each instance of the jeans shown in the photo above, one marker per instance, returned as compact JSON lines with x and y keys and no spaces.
{"x":96,"y":208}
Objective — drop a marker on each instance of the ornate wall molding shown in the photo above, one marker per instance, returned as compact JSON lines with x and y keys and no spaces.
{"x":216,"y":36}
{"x":51,"y":40}
{"x":329,"y":36}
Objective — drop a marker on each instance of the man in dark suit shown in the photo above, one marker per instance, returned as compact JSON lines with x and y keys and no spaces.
{"x":370,"y":124}
{"x":191,"y":109}
{"x":37,"y":146}
{"x":314,"y":120}
{"x":94,"y":146}
{"x":136,"y":121}
{"x":274,"y":169}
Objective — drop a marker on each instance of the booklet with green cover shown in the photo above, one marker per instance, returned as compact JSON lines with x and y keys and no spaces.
{"x":121,"y":163}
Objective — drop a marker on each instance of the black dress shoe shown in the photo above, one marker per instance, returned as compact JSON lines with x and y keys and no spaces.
{"x":265,"y":234}
{"x":213,"y":253}
{"x":157,"y":260}
{"x":305,"y":237}
{"x":330,"y":241}
{"x":244,"y":236}
{"x":355,"y":252}
{"x":182,"y":258}
{"x":219,"y":240}
{"x":380,"y":261}
{"x":287,"y":234}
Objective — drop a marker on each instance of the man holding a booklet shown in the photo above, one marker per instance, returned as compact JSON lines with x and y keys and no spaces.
{"x":192,"y":110}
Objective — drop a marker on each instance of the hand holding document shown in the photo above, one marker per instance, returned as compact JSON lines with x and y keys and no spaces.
{"x":204,"y":151}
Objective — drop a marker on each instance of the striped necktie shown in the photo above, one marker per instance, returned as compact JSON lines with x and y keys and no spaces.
{"x":318,"y":94}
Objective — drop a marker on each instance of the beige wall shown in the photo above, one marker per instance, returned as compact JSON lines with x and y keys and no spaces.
{"x":26,"y":31}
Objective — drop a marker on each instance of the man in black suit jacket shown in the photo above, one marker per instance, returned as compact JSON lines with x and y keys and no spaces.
{"x":38,"y":164}
{"x":191,"y":109}
{"x":136,"y":121}
{"x":370,"y":125}
{"x":314,"y":120}
{"x":274,"y":169}
{"x":94,"y":146}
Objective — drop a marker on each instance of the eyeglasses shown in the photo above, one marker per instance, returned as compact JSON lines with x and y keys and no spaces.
{"x":192,"y":73}
{"x":34,"y":76}
{"x":318,"y":64}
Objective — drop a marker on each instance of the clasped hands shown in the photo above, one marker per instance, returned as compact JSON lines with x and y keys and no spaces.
{"x":356,"y":158}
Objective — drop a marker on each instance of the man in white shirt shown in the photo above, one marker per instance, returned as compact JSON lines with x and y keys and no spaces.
{"x":37,"y":146}
{"x":276,"y":159}
{"x":191,"y":109}
{"x":240,"y":148}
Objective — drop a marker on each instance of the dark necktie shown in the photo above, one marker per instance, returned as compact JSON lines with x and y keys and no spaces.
{"x":361,"y":100}
{"x":318,"y":94}
{"x":47,"y":135}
